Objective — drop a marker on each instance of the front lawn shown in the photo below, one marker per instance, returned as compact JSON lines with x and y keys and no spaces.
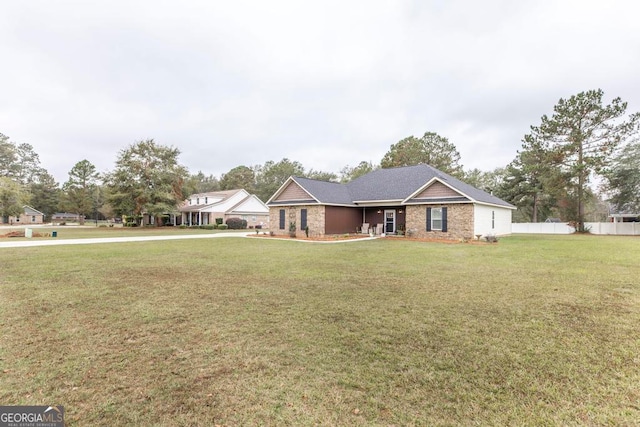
{"x":89,"y":232}
{"x":533,"y":330}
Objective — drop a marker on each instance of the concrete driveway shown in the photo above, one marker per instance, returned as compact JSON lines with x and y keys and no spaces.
{"x":8,"y":243}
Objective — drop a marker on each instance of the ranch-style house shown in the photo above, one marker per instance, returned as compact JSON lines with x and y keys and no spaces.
{"x":420,"y":201}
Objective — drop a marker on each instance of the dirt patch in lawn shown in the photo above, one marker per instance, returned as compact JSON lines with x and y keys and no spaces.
{"x":20,"y":233}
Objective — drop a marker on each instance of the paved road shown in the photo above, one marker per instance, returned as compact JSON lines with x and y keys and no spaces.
{"x":57,"y":242}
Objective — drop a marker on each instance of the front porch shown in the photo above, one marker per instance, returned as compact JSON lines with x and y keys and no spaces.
{"x":197,"y":218}
{"x":390,"y":220}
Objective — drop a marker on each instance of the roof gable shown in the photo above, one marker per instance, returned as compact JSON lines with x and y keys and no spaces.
{"x":292,"y":191}
{"x":250,"y":205}
{"x":299,"y":190}
{"x":28,"y":210}
{"x":436,"y":189}
{"x":215,"y":201}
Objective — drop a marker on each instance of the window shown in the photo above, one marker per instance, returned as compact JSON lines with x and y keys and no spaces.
{"x":33,"y":218}
{"x":437,"y":219}
{"x":198,"y":201}
{"x":493,"y":219}
{"x":281,"y":219}
{"x":206,"y":200}
{"x":303,"y":219}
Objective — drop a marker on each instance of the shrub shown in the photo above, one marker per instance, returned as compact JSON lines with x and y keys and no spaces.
{"x":222,"y":227}
{"x":182,"y":226}
{"x":236,"y":223}
{"x":491,"y":238}
{"x":208,"y":227}
{"x":259,"y":227}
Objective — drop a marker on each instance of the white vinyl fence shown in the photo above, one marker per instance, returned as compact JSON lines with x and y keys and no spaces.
{"x":617,"y":228}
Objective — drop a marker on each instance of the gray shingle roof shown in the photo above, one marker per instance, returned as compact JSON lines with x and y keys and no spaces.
{"x":390,"y":184}
{"x":326,"y":192}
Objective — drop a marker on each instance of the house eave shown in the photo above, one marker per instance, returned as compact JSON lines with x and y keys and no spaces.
{"x":293,"y":202}
{"x":370,"y":203}
{"x":513,"y":208}
{"x":247,"y":213}
{"x":309,"y":203}
{"x":440,"y":201}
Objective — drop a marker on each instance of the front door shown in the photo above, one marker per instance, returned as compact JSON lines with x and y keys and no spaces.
{"x":390,"y":221}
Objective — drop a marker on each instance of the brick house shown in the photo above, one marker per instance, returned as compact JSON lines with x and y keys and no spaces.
{"x":420,"y":201}
{"x":30,"y":216}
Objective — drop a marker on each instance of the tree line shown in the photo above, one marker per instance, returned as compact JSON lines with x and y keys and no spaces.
{"x":551,"y":176}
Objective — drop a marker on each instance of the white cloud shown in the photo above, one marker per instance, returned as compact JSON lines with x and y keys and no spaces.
{"x":327,"y":84}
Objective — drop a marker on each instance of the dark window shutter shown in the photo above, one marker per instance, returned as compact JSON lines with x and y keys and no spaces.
{"x":303,"y":219}
{"x":281,"y":219}
{"x":444,"y":219}
{"x":428,"y":219}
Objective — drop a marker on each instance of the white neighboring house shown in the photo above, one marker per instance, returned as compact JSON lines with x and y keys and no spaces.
{"x":204,"y":208}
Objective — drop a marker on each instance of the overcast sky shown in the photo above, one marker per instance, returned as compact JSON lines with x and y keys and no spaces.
{"x":327,"y":83}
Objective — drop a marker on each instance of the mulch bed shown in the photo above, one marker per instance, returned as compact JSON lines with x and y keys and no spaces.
{"x":317,"y":238}
{"x":362,"y":236}
{"x":20,"y":233}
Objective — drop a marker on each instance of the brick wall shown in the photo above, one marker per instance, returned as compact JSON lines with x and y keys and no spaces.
{"x":315,"y":219}
{"x":459,"y":222}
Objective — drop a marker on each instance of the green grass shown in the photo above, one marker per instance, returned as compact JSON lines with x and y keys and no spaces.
{"x":535,"y":330}
{"x":89,"y":231}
